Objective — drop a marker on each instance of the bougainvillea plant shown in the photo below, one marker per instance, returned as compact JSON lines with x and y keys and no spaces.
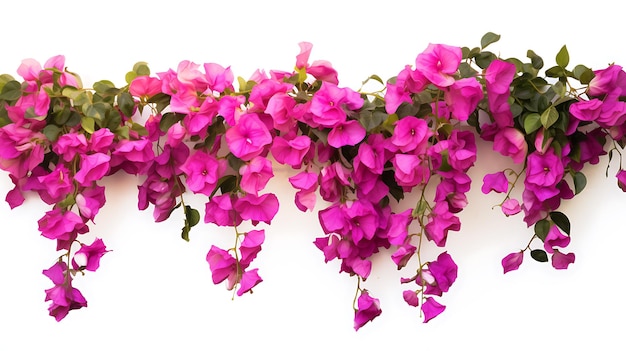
{"x":196,"y":129}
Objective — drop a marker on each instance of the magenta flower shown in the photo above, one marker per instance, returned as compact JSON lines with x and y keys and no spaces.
{"x":223,"y":266}
{"x":621,"y":179}
{"x":368,"y":308}
{"x":512,"y":261}
{"x":463,"y":97}
{"x":61,"y":225}
{"x":607,"y":80}
{"x":555,"y":239}
{"x":90,"y":201}
{"x":562,"y":261}
{"x":403,"y":254}
{"x":499,"y":76}
{"x":218,"y":78}
{"x":88,"y":256}
{"x":410,"y":170}
{"x":291,"y":152}
{"x":319,"y":69}
{"x":257,"y":208}
{"x":411,"y":135}
{"x":249,"y":279}
{"x":56,"y":185}
{"x":255,"y":175}
{"x":441,"y":220}
{"x":346,"y":133}
{"x":544,"y":170}
{"x":511,"y":142}
{"x":93,"y":167}
{"x":495,"y":182}
{"x":248,"y":138}
{"x":133,"y":156}
{"x":411,"y":298}
{"x":101,"y":140}
{"x":431,"y":309}
{"x":438,"y":63}
{"x":444,"y":271}
{"x":329,"y":104}
{"x":202,"y":171}
{"x":63,"y":296}
{"x":398,"y":229}
{"x":219,"y":210}
{"x":251,"y":246}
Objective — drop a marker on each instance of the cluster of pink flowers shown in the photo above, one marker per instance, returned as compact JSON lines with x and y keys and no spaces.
{"x":202,"y":135}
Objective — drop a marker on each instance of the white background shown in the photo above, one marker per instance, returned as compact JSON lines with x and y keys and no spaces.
{"x":154,"y":291}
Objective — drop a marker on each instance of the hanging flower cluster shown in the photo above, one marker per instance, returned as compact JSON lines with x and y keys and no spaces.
{"x":193,"y":130}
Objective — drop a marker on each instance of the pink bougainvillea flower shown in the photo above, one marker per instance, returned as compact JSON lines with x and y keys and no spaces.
{"x":101,"y":140}
{"x":90,"y":201}
{"x":251,"y":246}
{"x":56,"y":185}
{"x":411,"y":298}
{"x":510,"y":142}
{"x":281,"y":107}
{"x":203,"y":171}
{"x":132,"y":156}
{"x":145,"y":87}
{"x":61,"y":225}
{"x":511,"y":207}
{"x":444,"y":271}
{"x":544,"y":170}
{"x":562,"y":261}
{"x":223,"y":266}
{"x":438,"y":63}
{"x":621,"y":179}
{"x":441,"y":220}
{"x":411,"y":134}
{"x":93,"y":167}
{"x":463,"y":97}
{"x":403,"y":254}
{"x":257,"y":209}
{"x":248,"y":138}
{"x":407,"y":82}
{"x":70,"y":144}
{"x":512,"y":261}
{"x":346,"y":133}
{"x":431,"y":309}
{"x":255,"y":175}
{"x":291,"y":152}
{"x":499,"y":76}
{"x":63,"y":296}
{"x":218,"y":78}
{"x":319,"y":69}
{"x":249,"y":279}
{"x":367,"y":309}
{"x":219,"y":210}
{"x":495,"y":182}
{"x":555,"y":239}
{"x":606,"y":81}
{"x":410,"y":170}
{"x":398,"y":229}
{"x":329,"y":104}
{"x":88,"y":256}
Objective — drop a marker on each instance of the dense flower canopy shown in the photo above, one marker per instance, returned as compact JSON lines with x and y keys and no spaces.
{"x":198,"y":129}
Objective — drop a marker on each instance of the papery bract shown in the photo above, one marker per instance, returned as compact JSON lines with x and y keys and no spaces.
{"x":93,"y":167}
{"x":431,"y":309}
{"x":438,"y":63}
{"x":368,"y":308}
{"x":248,"y":137}
{"x":88,"y":256}
{"x":562,"y":261}
{"x":512,"y":261}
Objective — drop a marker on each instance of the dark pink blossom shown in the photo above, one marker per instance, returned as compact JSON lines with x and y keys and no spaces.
{"x":621,"y":179}
{"x":606,"y":81}
{"x":56,"y":185}
{"x":93,"y":167}
{"x":218,"y":78}
{"x":510,"y":142}
{"x":512,"y":261}
{"x":63,"y":296}
{"x":431,"y":309}
{"x":410,"y":170}
{"x":562,"y":261}
{"x":61,"y":225}
{"x":203,"y":171}
{"x":250,"y":246}
{"x":555,"y":239}
{"x":441,"y":220}
{"x":132,"y":156}
{"x":223,"y":266}
{"x":101,"y":140}
{"x":21,"y":149}
{"x":444,"y":271}
{"x":499,"y":76}
{"x":403,"y":254}
{"x":257,"y":209}
{"x":398,"y":228}
{"x":248,"y":138}
{"x":346,"y":133}
{"x":411,"y":298}
{"x":495,"y":182}
{"x":90,"y":201}
{"x":411,"y":135}
{"x":249,"y":279}
{"x":438,"y":63}
{"x":367,"y":309}
{"x":88,"y":256}
{"x":220,"y":211}
{"x":329,"y":104}
{"x":145,"y":87}
{"x":281,"y":107}
{"x":407,"y":82}
{"x":255,"y":175}
{"x":463,"y":97}
{"x":291,"y":152}
{"x":319,"y":69}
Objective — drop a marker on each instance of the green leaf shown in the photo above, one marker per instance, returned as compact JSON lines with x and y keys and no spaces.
{"x":484,"y":59}
{"x":539,"y":255}
{"x":561,"y":220}
{"x":192,"y":217}
{"x":580,"y":182}
{"x":130,"y":76}
{"x":555,"y":72}
{"x":549,"y":117}
{"x":4,"y":79}
{"x":88,"y":124}
{"x":96,"y":110}
{"x":466,"y":70}
{"x":532,"y":122}
{"x":562,"y":57}
{"x":489,"y":38}
{"x":535,"y":59}
{"x":141,"y":68}
{"x":542,"y":227}
{"x":11,"y":91}
{"x":126,"y":103}
{"x":51,"y":132}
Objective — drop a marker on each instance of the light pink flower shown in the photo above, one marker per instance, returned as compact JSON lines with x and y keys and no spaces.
{"x":218,"y":78}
